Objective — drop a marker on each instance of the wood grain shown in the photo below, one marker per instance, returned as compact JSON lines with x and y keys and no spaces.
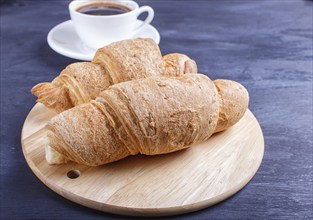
{"x":175,"y":183}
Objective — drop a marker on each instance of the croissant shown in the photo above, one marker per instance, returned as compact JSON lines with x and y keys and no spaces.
{"x":118,"y":62}
{"x":150,"y":116}
{"x":177,"y":64}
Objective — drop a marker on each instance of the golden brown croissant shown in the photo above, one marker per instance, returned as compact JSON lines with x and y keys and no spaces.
{"x":118,"y":62}
{"x":149,"y":116}
{"x":78,"y":83}
{"x":177,"y":64}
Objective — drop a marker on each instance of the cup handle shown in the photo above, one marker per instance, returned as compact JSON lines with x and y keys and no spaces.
{"x":148,"y":19}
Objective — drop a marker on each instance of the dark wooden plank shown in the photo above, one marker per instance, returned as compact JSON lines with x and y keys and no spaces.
{"x":265,"y":45}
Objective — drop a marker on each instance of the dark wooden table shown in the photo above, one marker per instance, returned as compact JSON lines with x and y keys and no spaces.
{"x":265,"y":45}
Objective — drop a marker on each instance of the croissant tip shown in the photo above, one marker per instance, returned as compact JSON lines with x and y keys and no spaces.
{"x":52,"y":96}
{"x":190,"y":66}
{"x":53,"y":157}
{"x":41,"y":87}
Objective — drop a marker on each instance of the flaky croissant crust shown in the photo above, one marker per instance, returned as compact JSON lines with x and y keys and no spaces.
{"x":118,"y":62}
{"x":149,"y":116}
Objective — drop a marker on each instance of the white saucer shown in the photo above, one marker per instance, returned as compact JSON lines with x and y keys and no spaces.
{"x":64,"y":40}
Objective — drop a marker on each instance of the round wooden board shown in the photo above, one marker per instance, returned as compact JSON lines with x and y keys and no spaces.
{"x":174,"y":183}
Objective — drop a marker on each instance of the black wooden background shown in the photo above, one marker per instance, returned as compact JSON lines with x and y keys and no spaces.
{"x":265,"y":45}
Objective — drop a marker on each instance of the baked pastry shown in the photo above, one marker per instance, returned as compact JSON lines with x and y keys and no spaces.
{"x":77,"y":83}
{"x":177,"y":64}
{"x":155,"y":115}
{"x":118,"y":62}
{"x":130,"y":59}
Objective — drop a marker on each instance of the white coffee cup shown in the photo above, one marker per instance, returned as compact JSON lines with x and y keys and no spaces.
{"x":96,"y":31}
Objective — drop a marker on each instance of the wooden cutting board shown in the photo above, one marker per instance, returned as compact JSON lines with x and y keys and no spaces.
{"x":175,"y":183}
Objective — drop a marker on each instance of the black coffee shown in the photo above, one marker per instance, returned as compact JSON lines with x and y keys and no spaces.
{"x":103,"y":9}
